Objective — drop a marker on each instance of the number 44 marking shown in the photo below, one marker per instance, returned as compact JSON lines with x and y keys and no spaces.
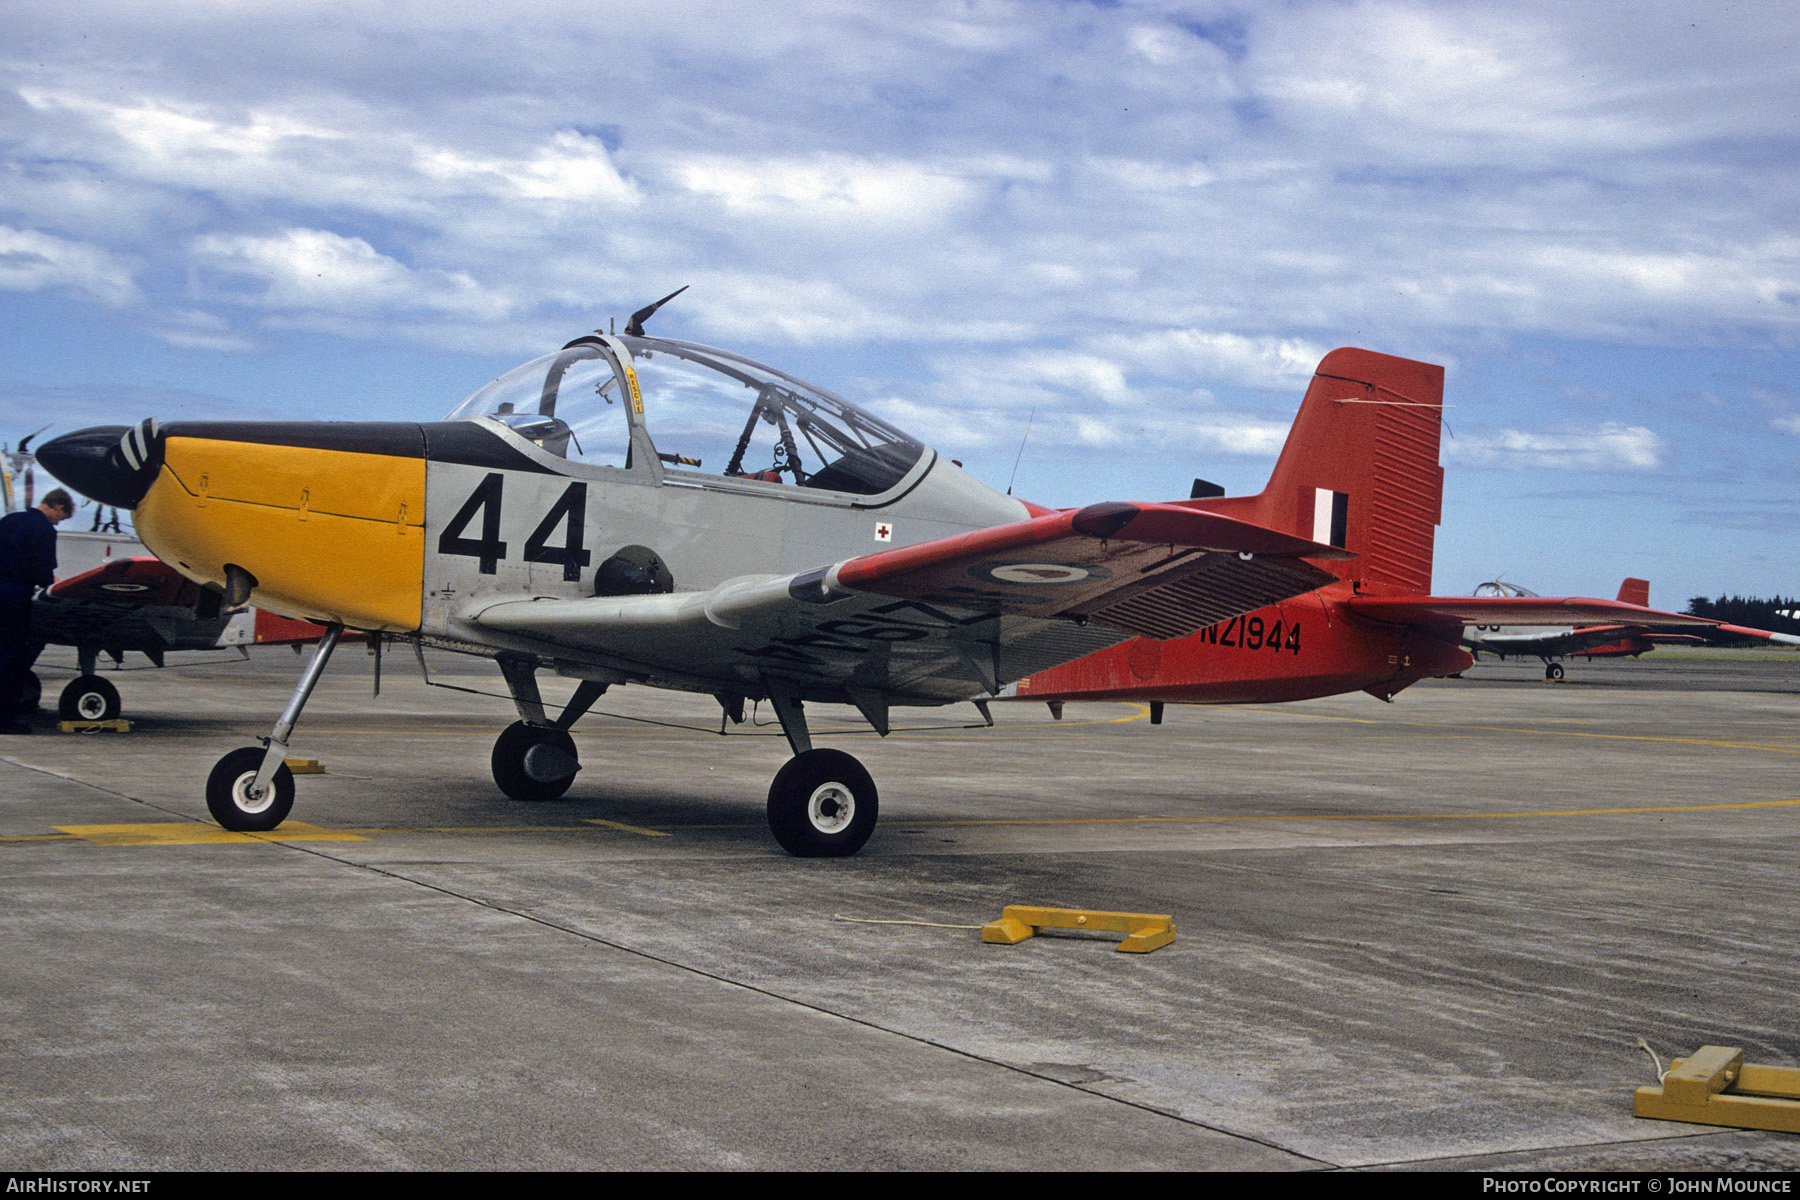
{"x":569,"y":513}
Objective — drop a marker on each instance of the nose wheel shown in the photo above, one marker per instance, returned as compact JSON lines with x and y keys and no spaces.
{"x":1553,"y":671}
{"x":237,"y":803}
{"x":822,"y":805}
{"x":252,"y":790}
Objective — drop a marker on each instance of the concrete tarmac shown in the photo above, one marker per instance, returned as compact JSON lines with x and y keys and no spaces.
{"x":1419,"y":935}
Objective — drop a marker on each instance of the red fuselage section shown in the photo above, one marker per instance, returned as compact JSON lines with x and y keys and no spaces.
{"x":1297,"y":650}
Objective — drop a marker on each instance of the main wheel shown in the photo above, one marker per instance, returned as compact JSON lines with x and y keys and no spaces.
{"x":89,"y":698}
{"x":31,"y":694}
{"x":534,"y":763}
{"x":228,"y":795}
{"x":822,"y":805}
{"x":1553,"y":671}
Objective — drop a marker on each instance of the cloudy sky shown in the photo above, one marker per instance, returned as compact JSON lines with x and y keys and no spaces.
{"x":1135,"y":226}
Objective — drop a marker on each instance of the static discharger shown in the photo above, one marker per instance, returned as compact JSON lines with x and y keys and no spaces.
{"x":1717,"y":1087}
{"x":1144,"y":931}
{"x":113,"y":726}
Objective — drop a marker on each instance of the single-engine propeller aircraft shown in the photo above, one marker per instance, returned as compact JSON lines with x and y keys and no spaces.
{"x":1365,"y":472}
{"x":638,"y":509}
{"x":1613,"y":638}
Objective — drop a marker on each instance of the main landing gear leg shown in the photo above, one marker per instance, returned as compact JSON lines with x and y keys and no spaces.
{"x":251,"y":790}
{"x":822,"y":803}
{"x":535,"y":758}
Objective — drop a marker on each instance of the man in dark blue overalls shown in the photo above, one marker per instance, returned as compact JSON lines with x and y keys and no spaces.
{"x":27,"y":563}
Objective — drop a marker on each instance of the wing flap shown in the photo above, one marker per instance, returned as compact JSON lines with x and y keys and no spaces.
{"x":1215,"y":588}
{"x":1149,"y":569}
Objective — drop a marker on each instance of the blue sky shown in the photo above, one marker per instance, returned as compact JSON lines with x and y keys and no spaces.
{"x":1136,"y":225}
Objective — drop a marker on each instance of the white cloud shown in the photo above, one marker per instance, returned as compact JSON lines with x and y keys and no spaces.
{"x":194,"y":329}
{"x":1607,"y":447}
{"x":826,"y":188}
{"x":314,"y":269}
{"x":570,"y":167}
{"x":1379,"y":171}
{"x":31,"y":261}
{"x":1262,"y":362}
{"x":346,"y":155}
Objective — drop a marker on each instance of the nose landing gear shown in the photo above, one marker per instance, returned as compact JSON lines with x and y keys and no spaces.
{"x":251,"y":790}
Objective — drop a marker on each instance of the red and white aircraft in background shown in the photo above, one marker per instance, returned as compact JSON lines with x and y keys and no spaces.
{"x":112,"y":597}
{"x":1360,"y":471}
{"x":1613,"y":639}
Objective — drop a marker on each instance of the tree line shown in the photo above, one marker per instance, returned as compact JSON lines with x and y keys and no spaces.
{"x":1778,"y":613}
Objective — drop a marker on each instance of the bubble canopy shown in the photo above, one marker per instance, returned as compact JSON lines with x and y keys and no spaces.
{"x":708,"y":411}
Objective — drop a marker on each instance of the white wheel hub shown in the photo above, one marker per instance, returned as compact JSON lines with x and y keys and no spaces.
{"x":245,"y":798}
{"x":91,"y":706}
{"x":831,"y":808}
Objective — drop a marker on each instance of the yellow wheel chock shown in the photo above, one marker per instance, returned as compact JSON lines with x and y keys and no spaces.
{"x":1717,"y":1087}
{"x":113,"y":726}
{"x":1145,"y":931}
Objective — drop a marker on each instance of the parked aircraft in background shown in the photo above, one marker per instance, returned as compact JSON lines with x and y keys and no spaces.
{"x":113,"y":598}
{"x":1611,"y":639}
{"x":819,"y":554}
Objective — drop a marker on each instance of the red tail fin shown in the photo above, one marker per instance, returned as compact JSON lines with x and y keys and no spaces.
{"x":1360,"y":470}
{"x":1635,"y":591}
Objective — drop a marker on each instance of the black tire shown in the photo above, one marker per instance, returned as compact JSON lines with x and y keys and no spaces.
{"x":1553,"y":671}
{"x":89,"y":698}
{"x":31,"y":694}
{"x":822,"y":805}
{"x":509,"y":761}
{"x":228,"y":802}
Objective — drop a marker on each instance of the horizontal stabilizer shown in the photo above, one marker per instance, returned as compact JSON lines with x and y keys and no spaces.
{"x":1761,"y":635}
{"x":1515,"y":610}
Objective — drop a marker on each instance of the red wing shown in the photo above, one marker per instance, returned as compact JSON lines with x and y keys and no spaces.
{"x":1515,"y":610}
{"x":128,"y":581}
{"x":1151,"y":569}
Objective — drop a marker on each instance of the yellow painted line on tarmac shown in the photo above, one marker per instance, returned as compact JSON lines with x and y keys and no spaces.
{"x":940,"y":822}
{"x":194,"y":833}
{"x":374,"y":830}
{"x":1470,"y":816}
{"x":620,"y":825}
{"x":1474,"y":730}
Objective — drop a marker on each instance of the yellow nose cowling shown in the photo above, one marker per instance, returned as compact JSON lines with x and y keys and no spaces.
{"x":330,"y":535}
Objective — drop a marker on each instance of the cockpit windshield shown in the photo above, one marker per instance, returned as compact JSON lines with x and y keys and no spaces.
{"x":567,"y":402}
{"x":709,"y":412}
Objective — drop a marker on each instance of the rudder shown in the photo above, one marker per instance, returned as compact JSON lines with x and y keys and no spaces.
{"x":1360,"y":470}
